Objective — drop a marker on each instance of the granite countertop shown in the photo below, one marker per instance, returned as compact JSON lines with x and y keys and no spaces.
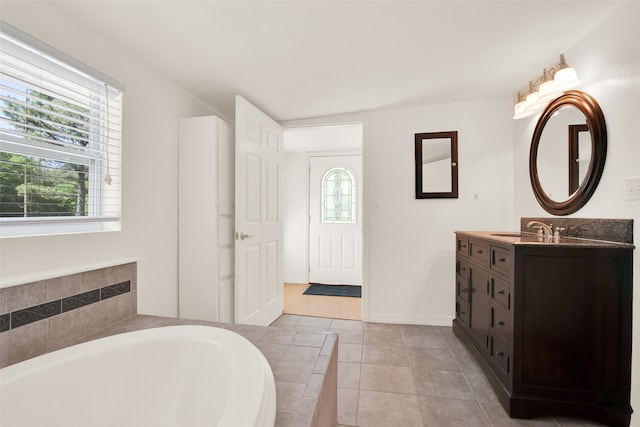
{"x":518,"y":238}
{"x":304,"y":365}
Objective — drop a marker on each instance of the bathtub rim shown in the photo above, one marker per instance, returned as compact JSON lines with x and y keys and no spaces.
{"x":267,"y":407}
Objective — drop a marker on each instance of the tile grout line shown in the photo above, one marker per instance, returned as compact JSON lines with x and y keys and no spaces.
{"x":466,"y":380}
{"x":413,"y":378}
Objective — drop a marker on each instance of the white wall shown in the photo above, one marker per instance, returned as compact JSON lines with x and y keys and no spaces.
{"x":294,"y":223}
{"x":411,"y":242}
{"x":152,"y":107}
{"x":608,"y":62}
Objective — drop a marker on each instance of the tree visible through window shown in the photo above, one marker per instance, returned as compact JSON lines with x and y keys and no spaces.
{"x":60,"y":141}
{"x":34,"y":186}
{"x":338,"y":196}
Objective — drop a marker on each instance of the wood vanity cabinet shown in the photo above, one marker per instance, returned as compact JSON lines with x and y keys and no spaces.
{"x":550,"y":324}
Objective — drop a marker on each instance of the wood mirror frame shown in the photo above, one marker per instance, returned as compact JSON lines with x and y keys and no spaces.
{"x":452,"y":192}
{"x":598,"y":129}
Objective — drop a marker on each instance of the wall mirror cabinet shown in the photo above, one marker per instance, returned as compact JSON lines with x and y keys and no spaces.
{"x":568,"y":153}
{"x":436,"y":159}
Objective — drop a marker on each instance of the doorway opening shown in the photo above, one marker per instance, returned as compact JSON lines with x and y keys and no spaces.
{"x":322,"y":218}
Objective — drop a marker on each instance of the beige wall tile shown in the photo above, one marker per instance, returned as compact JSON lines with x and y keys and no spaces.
{"x":134,"y":301}
{"x":68,"y":328}
{"x":65,"y":286}
{"x":118,"y":308}
{"x":27,"y":295}
{"x":3,"y":301}
{"x":95,"y":278}
{"x":122,"y":273}
{"x":4,"y":349}
{"x":27,"y":341}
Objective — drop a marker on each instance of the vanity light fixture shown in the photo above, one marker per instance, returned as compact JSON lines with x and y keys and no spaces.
{"x":545,"y":88}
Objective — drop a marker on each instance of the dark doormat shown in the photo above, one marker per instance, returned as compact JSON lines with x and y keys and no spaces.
{"x":334,"y":290}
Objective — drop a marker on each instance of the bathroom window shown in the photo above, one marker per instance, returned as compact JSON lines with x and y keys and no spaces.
{"x":60,"y":141}
{"x":338,"y":196}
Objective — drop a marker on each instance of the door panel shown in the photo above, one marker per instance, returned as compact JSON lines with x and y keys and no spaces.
{"x":348,"y":251}
{"x":335,"y":249}
{"x":259,"y":159}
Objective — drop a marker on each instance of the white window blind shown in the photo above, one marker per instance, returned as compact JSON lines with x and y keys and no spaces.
{"x":60,"y":141}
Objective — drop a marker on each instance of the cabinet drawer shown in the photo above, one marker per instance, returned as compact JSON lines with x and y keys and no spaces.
{"x":462,"y":247}
{"x":500,"y":322}
{"x":462,"y":312}
{"x":479,"y":251}
{"x":501,"y":260}
{"x":500,"y":354}
{"x":500,"y":292}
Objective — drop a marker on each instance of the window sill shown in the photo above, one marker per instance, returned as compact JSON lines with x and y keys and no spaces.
{"x":30,"y":227}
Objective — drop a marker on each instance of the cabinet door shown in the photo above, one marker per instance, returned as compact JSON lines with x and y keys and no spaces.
{"x":480,"y":316}
{"x":462,"y":279}
{"x":462,"y":291}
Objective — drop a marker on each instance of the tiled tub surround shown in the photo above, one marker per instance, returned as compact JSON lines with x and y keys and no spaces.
{"x":46,"y":315}
{"x":304,"y":361}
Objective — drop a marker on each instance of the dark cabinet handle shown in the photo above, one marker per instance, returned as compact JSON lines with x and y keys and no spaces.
{"x":501,"y":323}
{"x":479,"y":251}
{"x":463,"y":312}
{"x":500,"y":292}
{"x":501,"y":354}
{"x":502,"y":260}
{"x":463,"y":246}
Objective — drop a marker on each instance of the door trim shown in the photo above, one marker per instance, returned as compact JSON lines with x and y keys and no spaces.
{"x":364,"y":120}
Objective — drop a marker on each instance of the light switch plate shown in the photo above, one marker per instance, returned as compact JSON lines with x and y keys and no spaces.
{"x":633,"y":188}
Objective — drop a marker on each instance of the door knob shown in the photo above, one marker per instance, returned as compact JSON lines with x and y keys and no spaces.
{"x":243,"y":235}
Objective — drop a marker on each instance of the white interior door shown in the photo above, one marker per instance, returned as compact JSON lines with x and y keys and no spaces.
{"x":335,"y":220}
{"x":258,"y":262}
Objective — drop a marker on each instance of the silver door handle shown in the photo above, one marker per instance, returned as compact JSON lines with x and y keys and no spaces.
{"x":243,"y":236}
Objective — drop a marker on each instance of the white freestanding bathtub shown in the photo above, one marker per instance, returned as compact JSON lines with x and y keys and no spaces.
{"x":187,"y":376}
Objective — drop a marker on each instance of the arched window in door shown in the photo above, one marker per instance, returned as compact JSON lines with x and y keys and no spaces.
{"x":338,"y":201}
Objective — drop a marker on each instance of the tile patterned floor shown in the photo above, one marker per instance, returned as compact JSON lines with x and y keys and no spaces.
{"x":407,"y":375}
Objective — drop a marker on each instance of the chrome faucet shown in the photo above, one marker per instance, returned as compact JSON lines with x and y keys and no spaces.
{"x":548,"y":229}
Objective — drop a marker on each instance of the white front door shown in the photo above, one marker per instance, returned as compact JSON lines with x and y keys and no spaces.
{"x":335,"y":220}
{"x":259,"y":159}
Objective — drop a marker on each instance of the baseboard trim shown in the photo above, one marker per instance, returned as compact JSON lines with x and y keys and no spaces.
{"x":410,"y":320}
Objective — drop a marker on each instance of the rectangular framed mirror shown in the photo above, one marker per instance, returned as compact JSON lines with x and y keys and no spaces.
{"x":436,"y":157}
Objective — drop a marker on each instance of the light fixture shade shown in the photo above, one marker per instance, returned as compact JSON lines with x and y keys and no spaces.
{"x":548,"y":91}
{"x":532,"y":97}
{"x":566,"y":78}
{"x":546,"y":88}
{"x":520,"y":111}
{"x":536,"y":107}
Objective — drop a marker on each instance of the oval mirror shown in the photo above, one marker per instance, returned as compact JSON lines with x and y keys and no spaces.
{"x":568,"y":152}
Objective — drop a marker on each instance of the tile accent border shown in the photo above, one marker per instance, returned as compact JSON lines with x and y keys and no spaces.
{"x":46,"y":315}
{"x":52,"y":308}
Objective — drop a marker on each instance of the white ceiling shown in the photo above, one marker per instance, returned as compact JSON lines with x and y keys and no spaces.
{"x":302,"y":59}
